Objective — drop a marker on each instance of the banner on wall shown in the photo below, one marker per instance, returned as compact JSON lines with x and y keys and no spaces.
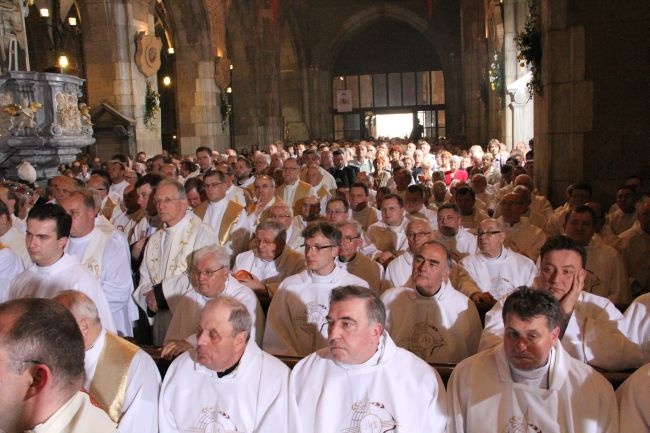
{"x":343,"y":101}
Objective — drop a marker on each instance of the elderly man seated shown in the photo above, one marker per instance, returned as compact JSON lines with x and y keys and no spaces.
{"x":353,"y":260}
{"x":429,"y":317}
{"x":270,"y":262}
{"x":227,"y":383}
{"x":208,"y":277}
{"x":529,"y":382}
{"x":496,"y":269}
{"x":591,"y":328}
{"x":361,"y":381}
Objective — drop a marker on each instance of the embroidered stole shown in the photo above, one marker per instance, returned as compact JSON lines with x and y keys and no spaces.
{"x":94,"y":253}
{"x":230,"y":217}
{"x":108,"y":208}
{"x":108,"y":387}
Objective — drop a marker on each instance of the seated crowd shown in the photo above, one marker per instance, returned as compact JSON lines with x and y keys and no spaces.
{"x":367,"y":263}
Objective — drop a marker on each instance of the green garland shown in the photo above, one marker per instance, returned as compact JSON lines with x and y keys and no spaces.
{"x":529,"y":48}
{"x":496,"y":75}
{"x":151,"y":106}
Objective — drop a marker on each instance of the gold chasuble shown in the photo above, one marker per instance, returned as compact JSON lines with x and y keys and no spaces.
{"x":108,"y":387}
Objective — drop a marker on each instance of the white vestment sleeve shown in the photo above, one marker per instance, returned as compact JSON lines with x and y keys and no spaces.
{"x":634,"y":401}
{"x":117,"y":283}
{"x":140,"y":410}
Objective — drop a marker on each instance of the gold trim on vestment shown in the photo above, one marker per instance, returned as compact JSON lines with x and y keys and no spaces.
{"x":109,"y":384}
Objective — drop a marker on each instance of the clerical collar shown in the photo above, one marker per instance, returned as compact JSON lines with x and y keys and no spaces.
{"x":538,"y":377}
{"x":227,"y":371}
{"x":374,"y":359}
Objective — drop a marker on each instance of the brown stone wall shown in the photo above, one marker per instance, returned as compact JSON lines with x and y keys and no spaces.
{"x":592,"y":121}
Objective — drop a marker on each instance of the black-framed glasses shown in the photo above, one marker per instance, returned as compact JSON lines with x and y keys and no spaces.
{"x":350,"y":238}
{"x":317,"y":248}
{"x":488,"y":233}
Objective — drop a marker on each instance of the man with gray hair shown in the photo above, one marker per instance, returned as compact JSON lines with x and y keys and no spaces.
{"x":282,"y":213}
{"x":529,"y":382}
{"x":270,"y":262}
{"x":165,"y":255}
{"x":496,"y":269}
{"x":354,"y":261}
{"x":362,"y":378}
{"x":227,"y":383}
{"x":42,"y":371}
{"x":208,"y":276}
{"x":120,"y":377}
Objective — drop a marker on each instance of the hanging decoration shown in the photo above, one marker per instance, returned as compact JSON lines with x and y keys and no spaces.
{"x":430,"y":9}
{"x":529,"y":48}
{"x":226,"y":111}
{"x":495,"y":74}
{"x":151,"y":106}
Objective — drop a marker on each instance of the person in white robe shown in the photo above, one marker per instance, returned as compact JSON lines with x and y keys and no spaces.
{"x":13,"y":238}
{"x":606,"y":273}
{"x":106,"y":255}
{"x":398,"y":273}
{"x":634,"y":401}
{"x":415,"y":206}
{"x":496,"y":269}
{"x":264,"y":198}
{"x":362,"y":378}
{"x":226,"y":217}
{"x":430,"y":318}
{"x":282,"y":213}
{"x":636,"y":323}
{"x":270,"y":262}
{"x":521,"y":236}
{"x":10,"y":267}
{"x":293,"y":190}
{"x":48,"y":231}
{"x":227,"y":384}
{"x":120,"y":377}
{"x":625,"y":216}
{"x":116,"y":169}
{"x":362,"y":212}
{"x":529,"y":382}
{"x":592,"y":329}
{"x":42,"y":364}
{"x":294,"y":323}
{"x":166,"y":255}
{"x":458,"y":240}
{"x":634,"y":247}
{"x":208,"y":277}
{"x":351,"y":258}
{"x":388,"y":236}
{"x":577,"y":194}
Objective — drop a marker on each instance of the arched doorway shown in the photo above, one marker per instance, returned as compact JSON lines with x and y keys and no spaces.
{"x":387,"y":68}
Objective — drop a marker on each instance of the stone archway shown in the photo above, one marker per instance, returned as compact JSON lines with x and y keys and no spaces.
{"x":437,"y":33}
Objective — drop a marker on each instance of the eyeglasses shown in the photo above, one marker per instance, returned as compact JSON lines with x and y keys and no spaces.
{"x":492,"y":233}
{"x":164,"y":201}
{"x":207,"y":274}
{"x":212,"y":185}
{"x":350,"y":238}
{"x":317,"y":248}
{"x":416,"y":234}
{"x":280,"y":216}
{"x":333,"y":212}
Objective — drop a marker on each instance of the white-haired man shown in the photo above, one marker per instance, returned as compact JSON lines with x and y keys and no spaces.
{"x":496,"y":269}
{"x":227,"y":383}
{"x":208,"y":277}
